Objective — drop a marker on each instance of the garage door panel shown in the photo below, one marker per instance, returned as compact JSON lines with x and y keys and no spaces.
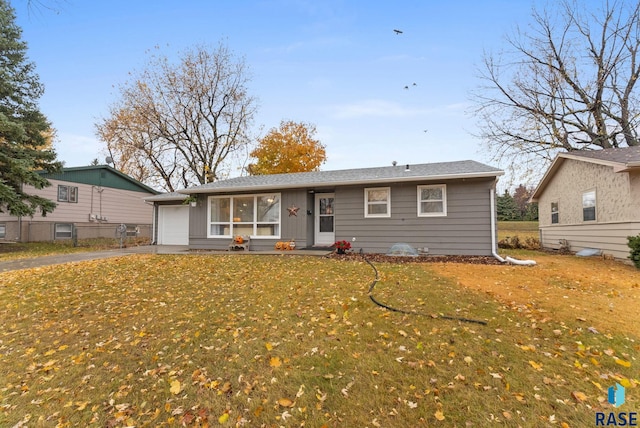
{"x":173,"y":225}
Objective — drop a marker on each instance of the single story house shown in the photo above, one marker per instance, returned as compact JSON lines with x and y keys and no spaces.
{"x":440,"y":208}
{"x":92,"y":201}
{"x":591,"y":199}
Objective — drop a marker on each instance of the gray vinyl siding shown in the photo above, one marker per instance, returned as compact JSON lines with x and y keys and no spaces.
{"x":198,"y":222}
{"x":291,"y":227}
{"x":465,"y":230}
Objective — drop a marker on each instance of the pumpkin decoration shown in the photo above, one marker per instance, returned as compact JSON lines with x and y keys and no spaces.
{"x":238,"y":240}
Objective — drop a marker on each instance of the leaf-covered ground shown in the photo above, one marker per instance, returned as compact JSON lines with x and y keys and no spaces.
{"x":599,"y":293}
{"x":217,"y":340}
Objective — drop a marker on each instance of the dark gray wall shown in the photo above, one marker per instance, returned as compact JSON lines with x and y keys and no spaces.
{"x":466,"y":230}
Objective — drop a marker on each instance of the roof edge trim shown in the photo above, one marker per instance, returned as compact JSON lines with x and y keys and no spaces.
{"x":487,"y":174}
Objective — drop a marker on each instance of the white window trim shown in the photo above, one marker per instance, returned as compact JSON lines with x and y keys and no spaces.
{"x":556,"y":212}
{"x":444,"y":200}
{"x":254,"y":223}
{"x":367,"y":203}
{"x":595,"y":207}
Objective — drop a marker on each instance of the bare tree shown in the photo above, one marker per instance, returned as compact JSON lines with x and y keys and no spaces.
{"x":567,"y":84}
{"x":176,"y":125}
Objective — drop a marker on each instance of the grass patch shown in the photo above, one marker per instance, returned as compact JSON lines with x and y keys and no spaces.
{"x":22,"y":250}
{"x":151,"y":340}
{"x":521,"y":229}
{"x":518,"y":234}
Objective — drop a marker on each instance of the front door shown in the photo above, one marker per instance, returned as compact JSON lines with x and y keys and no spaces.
{"x":324,"y":222}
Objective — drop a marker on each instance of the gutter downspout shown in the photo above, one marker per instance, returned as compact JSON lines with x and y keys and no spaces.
{"x":494,"y":232}
{"x":154,"y":216}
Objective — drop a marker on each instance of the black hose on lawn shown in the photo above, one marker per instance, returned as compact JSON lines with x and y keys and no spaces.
{"x":402,"y":311}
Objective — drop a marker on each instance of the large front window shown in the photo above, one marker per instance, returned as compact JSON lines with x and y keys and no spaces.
{"x":253,"y":215}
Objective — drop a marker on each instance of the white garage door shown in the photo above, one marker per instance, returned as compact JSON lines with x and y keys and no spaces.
{"x":173,"y":225}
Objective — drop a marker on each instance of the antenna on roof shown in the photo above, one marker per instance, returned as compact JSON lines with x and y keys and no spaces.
{"x":394,"y":163}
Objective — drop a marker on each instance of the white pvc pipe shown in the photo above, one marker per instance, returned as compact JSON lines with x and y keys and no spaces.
{"x":494,"y":232}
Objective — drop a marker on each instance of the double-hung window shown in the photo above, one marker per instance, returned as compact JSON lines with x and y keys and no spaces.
{"x":432,"y":200}
{"x":589,"y":205}
{"x":377,"y":202}
{"x":253,"y":215}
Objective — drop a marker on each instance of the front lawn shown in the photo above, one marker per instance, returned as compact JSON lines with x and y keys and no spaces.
{"x":24,"y":250}
{"x":219,"y":340}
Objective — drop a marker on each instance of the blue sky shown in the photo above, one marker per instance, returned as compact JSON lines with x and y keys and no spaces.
{"x":336,"y":64}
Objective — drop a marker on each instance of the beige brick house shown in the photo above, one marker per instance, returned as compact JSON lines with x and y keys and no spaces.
{"x":591,"y":199}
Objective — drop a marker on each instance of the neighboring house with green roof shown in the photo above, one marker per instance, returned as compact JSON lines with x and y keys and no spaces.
{"x":91,"y":202}
{"x":591,"y":199}
{"x":440,"y":208}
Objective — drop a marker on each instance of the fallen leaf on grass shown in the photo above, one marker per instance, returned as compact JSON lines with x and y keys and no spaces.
{"x":175,"y":387}
{"x":275,"y":362}
{"x":439,"y":415}
{"x":285,"y":402}
{"x":623,"y":363}
{"x":535,"y":365}
{"x":579,"y":396}
{"x":345,"y":390}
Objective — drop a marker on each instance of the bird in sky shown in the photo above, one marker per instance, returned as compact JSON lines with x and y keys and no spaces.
{"x":397,"y":32}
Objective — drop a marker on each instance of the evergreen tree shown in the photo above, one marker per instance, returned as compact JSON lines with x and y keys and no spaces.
{"x":25,"y":133}
{"x":507,"y":207}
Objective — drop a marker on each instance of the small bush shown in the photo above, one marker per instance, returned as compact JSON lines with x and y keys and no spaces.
{"x":514,"y":242}
{"x":634,"y":245}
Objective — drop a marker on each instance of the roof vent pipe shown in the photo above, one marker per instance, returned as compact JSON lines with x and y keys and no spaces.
{"x":407,"y":169}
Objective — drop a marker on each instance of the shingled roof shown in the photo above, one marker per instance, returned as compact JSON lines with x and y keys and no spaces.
{"x":379,"y":175}
{"x":622,"y":155}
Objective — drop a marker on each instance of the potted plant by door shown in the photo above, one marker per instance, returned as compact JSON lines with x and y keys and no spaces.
{"x":191,"y":200}
{"x":342,"y":246}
